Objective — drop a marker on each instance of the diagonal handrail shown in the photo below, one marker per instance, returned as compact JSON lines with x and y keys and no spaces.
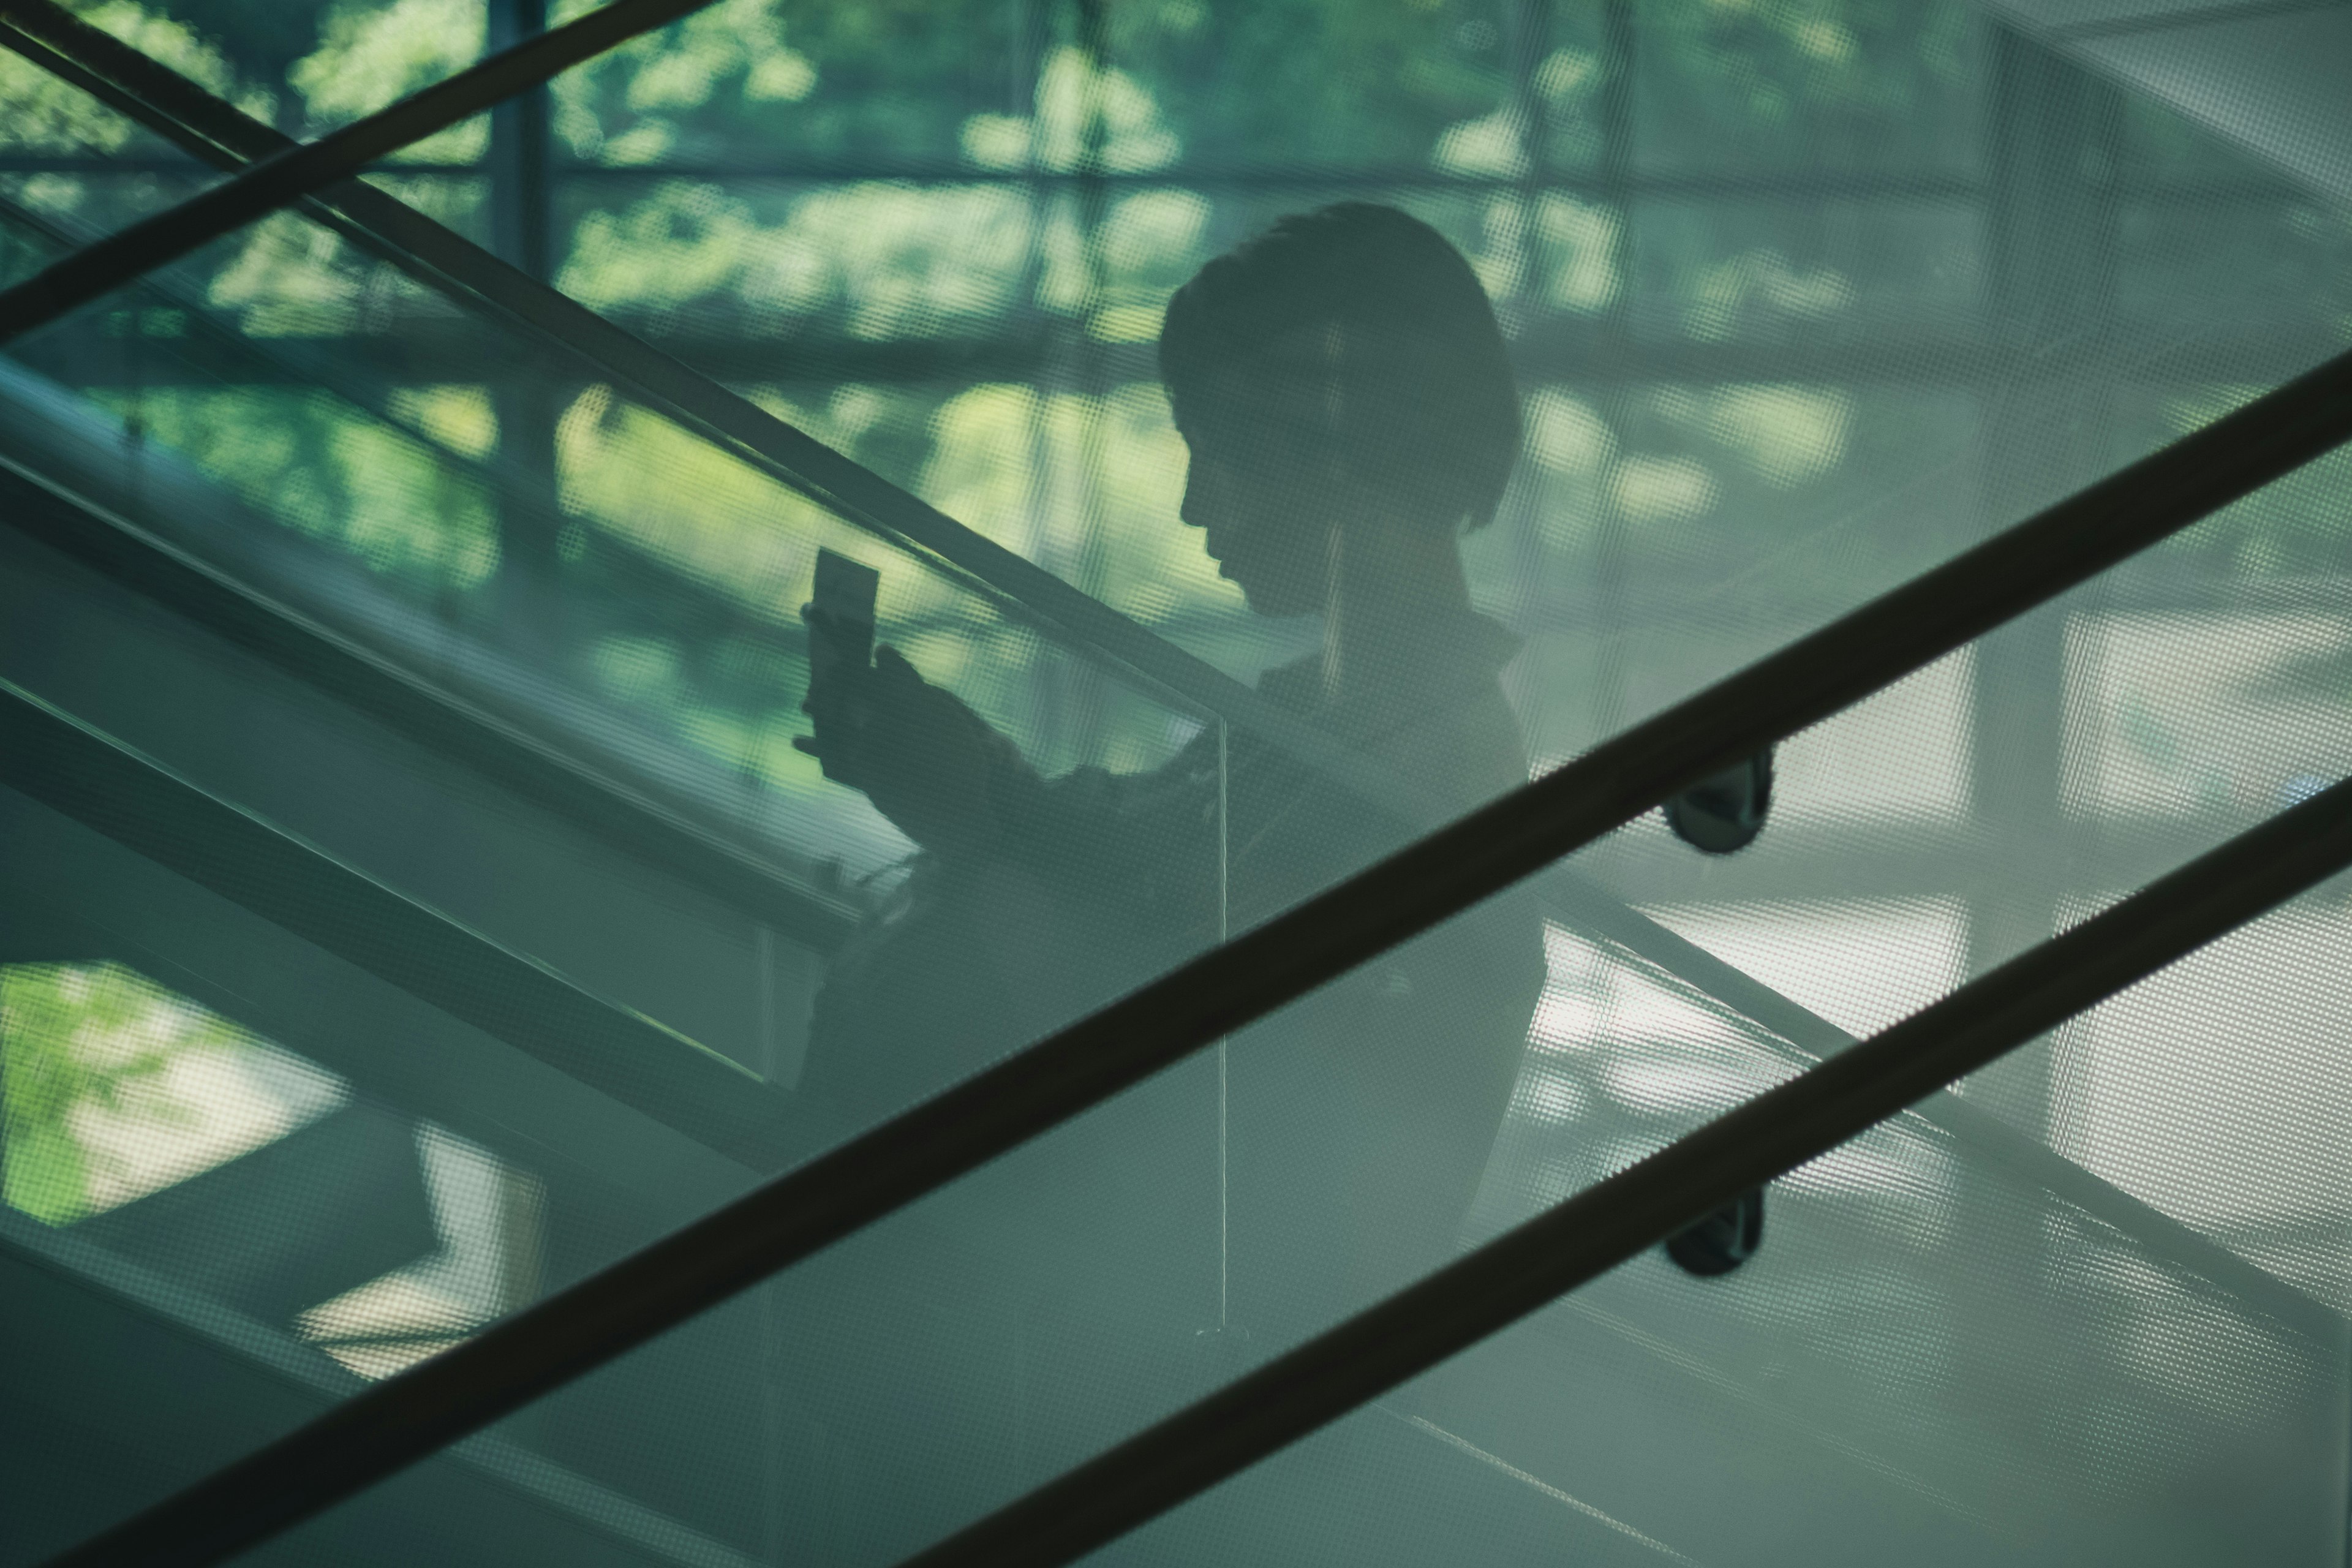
{"x":407,"y":1417}
{"x":285,"y":178}
{"x":1616,"y":1219}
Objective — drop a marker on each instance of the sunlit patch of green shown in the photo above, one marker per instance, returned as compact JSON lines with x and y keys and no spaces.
{"x":461,"y":418}
{"x":320,"y":468}
{"x":725,"y":736}
{"x":1226,"y":81}
{"x":375,"y":52}
{"x":781,"y":763}
{"x":887,"y":259}
{"x":1087,"y":115}
{"x":1125,"y":324}
{"x":74,"y":1037}
{"x":620,"y":107}
{"x":721,"y":520}
{"x":1149,"y":243}
{"x":294,"y":277}
{"x":49,"y":194}
{"x":289,"y":279}
{"x":39,"y":111}
{"x":1489,"y":146}
{"x":683,"y":500}
{"x":1576,"y":245}
{"x":680,"y":242}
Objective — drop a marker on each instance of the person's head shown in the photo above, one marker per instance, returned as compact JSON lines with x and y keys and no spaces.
{"x":1342,"y":372}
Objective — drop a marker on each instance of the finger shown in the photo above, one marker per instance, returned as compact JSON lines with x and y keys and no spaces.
{"x":887,"y":658}
{"x":807,"y":744}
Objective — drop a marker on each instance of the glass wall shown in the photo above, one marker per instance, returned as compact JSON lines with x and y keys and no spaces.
{"x":1799,"y":301}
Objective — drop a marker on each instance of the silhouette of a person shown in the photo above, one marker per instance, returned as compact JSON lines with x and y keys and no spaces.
{"x":1349,"y":411}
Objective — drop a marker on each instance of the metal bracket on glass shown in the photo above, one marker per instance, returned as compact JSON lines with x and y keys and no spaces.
{"x":1725,"y":813}
{"x":1724,"y":1239}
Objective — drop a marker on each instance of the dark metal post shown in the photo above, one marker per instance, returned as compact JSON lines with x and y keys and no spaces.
{"x":519,"y":192}
{"x":528,"y":600}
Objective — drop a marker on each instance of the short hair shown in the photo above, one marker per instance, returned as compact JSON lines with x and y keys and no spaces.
{"x":1360,"y":330}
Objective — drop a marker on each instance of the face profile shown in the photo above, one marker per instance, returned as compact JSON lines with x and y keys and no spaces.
{"x":1260,"y":521}
{"x":1345,"y":396}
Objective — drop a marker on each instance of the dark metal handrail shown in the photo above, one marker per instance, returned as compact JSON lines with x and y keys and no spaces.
{"x":1618,"y":1218}
{"x":407,"y":1417}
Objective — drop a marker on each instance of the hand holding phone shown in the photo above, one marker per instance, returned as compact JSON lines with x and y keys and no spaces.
{"x":840,"y":616}
{"x":924,"y":758}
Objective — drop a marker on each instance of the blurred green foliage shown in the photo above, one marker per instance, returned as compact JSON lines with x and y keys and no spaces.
{"x":1810,"y":85}
{"x":809,"y":184}
{"x":329,"y":471}
{"x":77,"y":1039}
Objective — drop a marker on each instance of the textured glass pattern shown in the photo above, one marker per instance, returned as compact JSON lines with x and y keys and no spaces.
{"x":1786,"y":304}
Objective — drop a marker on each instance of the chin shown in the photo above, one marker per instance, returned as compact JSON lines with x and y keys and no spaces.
{"x":1279,"y":605}
{"x":1271,"y":598}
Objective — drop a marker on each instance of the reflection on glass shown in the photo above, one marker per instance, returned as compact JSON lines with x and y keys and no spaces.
{"x":1801,"y":298}
{"x":171,"y":1137}
{"x":117,"y":1088}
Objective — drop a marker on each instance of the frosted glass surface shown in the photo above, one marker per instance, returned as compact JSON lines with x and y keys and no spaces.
{"x":1792,"y":304}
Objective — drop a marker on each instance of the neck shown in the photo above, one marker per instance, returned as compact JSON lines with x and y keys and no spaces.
{"x":1388,"y":584}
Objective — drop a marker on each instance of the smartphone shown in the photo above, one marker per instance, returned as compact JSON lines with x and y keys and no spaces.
{"x":842,"y":637}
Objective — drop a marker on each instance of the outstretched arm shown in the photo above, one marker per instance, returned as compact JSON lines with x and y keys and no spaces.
{"x":930,"y":764}
{"x":955,"y":785}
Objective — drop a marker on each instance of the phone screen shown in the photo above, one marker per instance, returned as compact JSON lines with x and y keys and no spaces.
{"x":844,"y":635}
